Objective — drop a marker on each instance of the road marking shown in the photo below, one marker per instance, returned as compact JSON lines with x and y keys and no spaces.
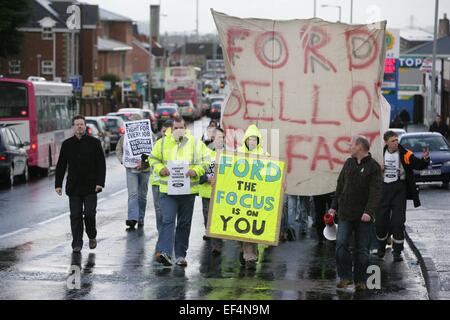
{"x":65,"y":214}
{"x":13,"y":233}
{"x":117,"y":193}
{"x":54,"y":218}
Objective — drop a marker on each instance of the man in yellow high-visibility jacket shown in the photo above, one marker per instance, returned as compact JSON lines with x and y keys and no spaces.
{"x":177,"y":144}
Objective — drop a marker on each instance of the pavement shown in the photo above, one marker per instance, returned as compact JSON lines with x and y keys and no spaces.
{"x":427,"y":229}
{"x":36,"y":257}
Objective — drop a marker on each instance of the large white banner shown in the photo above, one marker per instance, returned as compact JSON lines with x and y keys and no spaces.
{"x":311,"y":85}
{"x":138,"y":140}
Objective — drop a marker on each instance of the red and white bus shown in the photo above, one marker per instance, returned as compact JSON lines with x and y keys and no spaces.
{"x":183,"y":83}
{"x":40,"y":112}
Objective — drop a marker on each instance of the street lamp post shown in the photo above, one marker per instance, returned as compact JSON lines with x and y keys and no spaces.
{"x":334,"y":6}
{"x":351,"y":11}
{"x":433,"y":72}
{"x":38,"y":57}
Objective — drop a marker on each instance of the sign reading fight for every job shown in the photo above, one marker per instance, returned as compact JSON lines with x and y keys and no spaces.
{"x":247,"y":198}
{"x":138,"y":140}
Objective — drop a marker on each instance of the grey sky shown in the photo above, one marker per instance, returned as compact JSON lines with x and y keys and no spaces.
{"x":181,"y":13}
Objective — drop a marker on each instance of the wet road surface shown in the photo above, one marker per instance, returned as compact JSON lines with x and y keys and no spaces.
{"x":36,"y":256}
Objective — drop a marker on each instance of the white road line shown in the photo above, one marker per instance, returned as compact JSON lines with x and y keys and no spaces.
{"x":54,"y":218}
{"x":13,"y":233}
{"x":117,"y":193}
{"x":57,"y":217}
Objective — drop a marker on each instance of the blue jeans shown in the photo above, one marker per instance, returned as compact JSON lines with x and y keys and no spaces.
{"x":360,"y":260}
{"x":298,"y":205}
{"x":137,"y":184}
{"x":155,"y":193}
{"x":179,"y":209}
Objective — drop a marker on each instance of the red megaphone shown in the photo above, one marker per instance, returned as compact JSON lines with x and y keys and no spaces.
{"x":328,"y":219}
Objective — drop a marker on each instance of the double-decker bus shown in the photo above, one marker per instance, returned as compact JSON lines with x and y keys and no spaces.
{"x":40,"y":112}
{"x":183,"y":83}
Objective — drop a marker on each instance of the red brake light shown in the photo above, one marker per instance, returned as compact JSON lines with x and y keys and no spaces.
{"x":213,"y":110}
{"x":165,"y":113}
{"x":122,"y":130}
{"x":2,"y":158}
{"x":89,"y":130}
{"x":190,"y":109}
{"x":23,"y":113}
{"x":33,"y":146}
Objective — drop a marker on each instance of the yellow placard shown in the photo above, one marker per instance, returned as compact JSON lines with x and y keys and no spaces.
{"x":247,"y":198}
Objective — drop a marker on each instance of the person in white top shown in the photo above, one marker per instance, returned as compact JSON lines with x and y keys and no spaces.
{"x":398,"y":186}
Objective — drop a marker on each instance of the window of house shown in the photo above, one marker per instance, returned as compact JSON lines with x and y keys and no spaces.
{"x":47,"y":67}
{"x":47,"y":34}
{"x":14,"y":66}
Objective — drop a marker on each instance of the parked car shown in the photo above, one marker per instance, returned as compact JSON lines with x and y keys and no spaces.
{"x":92,"y":131}
{"x":166,"y":111}
{"x":13,"y":156}
{"x":103,"y":132}
{"x":187,"y":110}
{"x":116,"y":128}
{"x":144,"y":113}
{"x":439,"y":147}
{"x":398,"y":131}
{"x":216,"y":109}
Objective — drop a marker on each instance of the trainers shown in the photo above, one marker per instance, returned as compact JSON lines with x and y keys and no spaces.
{"x":181,"y":261}
{"x":290,"y":234}
{"x":360,"y":286}
{"x":92,"y":243}
{"x":216,"y":251}
{"x":76,"y":250}
{"x":131,"y":223}
{"x":343,"y":284}
{"x":164,"y":259}
{"x":141,"y":224}
{"x":250,"y":265}
{"x":397,"y":256}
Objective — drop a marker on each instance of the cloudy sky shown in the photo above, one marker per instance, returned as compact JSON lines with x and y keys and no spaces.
{"x":180,"y":14}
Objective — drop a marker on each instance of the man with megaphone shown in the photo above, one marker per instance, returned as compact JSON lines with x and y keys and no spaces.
{"x":358,"y":194}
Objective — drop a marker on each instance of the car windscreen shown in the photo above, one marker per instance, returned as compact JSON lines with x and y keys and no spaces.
{"x":13,"y":100}
{"x":112,"y":123}
{"x":169,"y":110}
{"x":419,"y":143}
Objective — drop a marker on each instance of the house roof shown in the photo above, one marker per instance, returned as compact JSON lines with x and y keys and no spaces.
{"x":414,"y":34}
{"x":111,"y":16}
{"x":104,"y":44}
{"x":443,"y":48}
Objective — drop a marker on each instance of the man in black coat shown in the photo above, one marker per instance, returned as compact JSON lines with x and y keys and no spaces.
{"x":398,"y":186}
{"x":357,"y":197}
{"x":439,"y":126}
{"x":84,"y":156}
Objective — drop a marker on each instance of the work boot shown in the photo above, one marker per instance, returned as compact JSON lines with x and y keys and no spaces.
{"x":92,"y":243}
{"x":250,"y":265}
{"x":76,"y":250}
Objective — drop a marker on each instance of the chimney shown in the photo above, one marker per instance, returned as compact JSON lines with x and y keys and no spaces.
{"x":444,"y":27}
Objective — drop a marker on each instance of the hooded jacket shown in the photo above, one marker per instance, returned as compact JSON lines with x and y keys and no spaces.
{"x":252,"y":130}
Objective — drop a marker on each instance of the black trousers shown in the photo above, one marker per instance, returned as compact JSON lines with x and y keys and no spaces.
{"x":321,"y":204}
{"x":82,"y":213}
{"x":391,"y":218}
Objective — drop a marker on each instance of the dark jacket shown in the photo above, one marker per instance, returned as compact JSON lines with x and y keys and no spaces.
{"x":87,"y":167}
{"x":442,"y":128}
{"x":409,"y":163}
{"x":358,"y":189}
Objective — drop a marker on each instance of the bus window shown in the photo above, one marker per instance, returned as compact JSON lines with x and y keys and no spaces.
{"x":13,"y":100}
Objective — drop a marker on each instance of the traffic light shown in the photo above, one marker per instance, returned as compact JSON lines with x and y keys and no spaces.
{"x":222,"y":84}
